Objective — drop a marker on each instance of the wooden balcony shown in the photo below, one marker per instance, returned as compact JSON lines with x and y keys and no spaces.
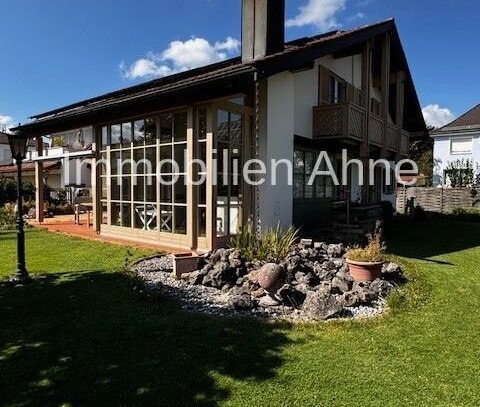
{"x":338,"y":121}
{"x":345,"y":121}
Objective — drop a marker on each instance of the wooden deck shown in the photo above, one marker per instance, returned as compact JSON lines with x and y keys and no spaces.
{"x":66,"y":225}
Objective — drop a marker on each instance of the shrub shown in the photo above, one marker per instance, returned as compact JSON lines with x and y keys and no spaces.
{"x":268,"y":245}
{"x":372,"y":253}
{"x":466,"y":214}
{"x":8,"y":190}
{"x":7,"y":217}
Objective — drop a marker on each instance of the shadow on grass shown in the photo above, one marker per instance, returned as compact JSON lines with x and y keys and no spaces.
{"x":429,"y":238}
{"x":94,"y":339}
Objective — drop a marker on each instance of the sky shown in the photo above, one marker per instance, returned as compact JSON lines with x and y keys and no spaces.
{"x":55,"y":52}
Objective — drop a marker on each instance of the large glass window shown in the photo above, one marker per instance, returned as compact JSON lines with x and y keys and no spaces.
{"x":304,"y":162}
{"x":173,"y":189}
{"x":202,"y":188}
{"x":132,"y":158}
{"x":229,"y":159}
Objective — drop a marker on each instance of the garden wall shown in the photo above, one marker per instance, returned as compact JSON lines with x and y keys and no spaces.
{"x":440,"y":200}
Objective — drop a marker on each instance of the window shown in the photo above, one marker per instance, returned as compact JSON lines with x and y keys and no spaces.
{"x":337,"y":90}
{"x":173,"y":190}
{"x":304,"y":162}
{"x":130,"y":155}
{"x":461,"y":145}
{"x":202,"y":188}
{"x":229,"y":191}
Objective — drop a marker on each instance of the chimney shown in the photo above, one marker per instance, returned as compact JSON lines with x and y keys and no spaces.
{"x":263,"y":28}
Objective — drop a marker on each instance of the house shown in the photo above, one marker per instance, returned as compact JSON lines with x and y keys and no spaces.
{"x":7,"y":169}
{"x":57,"y":157}
{"x":341,"y":90}
{"x":5,"y":153}
{"x":457,"y":142}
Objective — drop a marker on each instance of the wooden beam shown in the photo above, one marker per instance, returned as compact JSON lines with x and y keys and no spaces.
{"x":96,"y":182}
{"x":39,"y":183}
{"x":192,"y":173}
{"x":386,"y":54}
{"x":400,"y":107}
{"x":211,"y":229}
{"x":366,"y":95}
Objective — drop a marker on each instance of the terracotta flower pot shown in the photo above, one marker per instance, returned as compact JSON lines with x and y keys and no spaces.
{"x":364,"y":271}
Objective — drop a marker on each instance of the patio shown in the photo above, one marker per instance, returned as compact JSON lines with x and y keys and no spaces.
{"x":65,"y":224}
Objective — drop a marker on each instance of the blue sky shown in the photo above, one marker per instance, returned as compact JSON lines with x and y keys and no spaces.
{"x":61,"y":51}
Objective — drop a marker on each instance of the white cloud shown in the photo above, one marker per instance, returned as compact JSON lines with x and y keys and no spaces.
{"x":6,"y":122}
{"x":181,"y":56}
{"x":358,"y":16}
{"x":321,"y":13}
{"x":437,"y":116}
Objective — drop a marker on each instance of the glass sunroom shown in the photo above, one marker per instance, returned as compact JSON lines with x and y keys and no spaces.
{"x":150,"y":185}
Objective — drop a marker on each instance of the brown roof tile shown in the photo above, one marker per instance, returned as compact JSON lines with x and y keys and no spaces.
{"x":468,"y":121}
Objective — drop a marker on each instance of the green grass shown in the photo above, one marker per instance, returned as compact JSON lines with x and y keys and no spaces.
{"x":84,"y":336}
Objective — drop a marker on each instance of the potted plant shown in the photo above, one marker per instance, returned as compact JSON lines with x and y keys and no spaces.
{"x":365,"y":264}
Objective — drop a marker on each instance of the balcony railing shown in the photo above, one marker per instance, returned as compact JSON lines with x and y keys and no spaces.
{"x":340,"y":120}
{"x":346,"y":121}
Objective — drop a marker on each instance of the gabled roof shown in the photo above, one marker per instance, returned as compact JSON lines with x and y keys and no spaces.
{"x":220,"y":77}
{"x":469,"y":121}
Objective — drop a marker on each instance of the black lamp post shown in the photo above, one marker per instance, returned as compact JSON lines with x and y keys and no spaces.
{"x":18,"y":145}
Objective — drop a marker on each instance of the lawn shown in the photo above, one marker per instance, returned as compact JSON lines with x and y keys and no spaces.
{"x":85,"y":335}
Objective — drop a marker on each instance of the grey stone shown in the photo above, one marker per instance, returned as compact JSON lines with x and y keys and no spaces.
{"x":336,"y":250}
{"x":306,"y":243}
{"x":340,"y":286}
{"x":194,"y":278}
{"x":240,"y":300}
{"x":268,"y":301}
{"x":290,"y":296}
{"x":381,"y":287}
{"x":321,"y":306}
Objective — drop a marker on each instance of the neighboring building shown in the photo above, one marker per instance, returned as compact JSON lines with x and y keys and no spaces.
{"x":59,"y":170}
{"x":343,"y":89}
{"x":5,"y":153}
{"x":459,"y":140}
{"x":6,"y":162}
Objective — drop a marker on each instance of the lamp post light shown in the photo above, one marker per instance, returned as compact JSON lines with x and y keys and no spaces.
{"x":18,"y":146}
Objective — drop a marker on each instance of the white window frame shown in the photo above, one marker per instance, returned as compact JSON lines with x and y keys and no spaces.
{"x":461,"y":139}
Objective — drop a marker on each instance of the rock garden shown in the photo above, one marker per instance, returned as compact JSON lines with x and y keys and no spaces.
{"x":306,"y":281}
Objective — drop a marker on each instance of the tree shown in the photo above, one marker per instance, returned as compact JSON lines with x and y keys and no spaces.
{"x":421,"y":151}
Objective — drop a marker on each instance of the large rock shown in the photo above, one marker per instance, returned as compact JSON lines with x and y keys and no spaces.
{"x":221,"y":274}
{"x":306,"y":278}
{"x":336,"y":250}
{"x":194,"y":278}
{"x":240,"y":300}
{"x":320,"y":305}
{"x":381,"y":287}
{"x":271,"y":277}
{"x":340,"y":285}
{"x":290,"y":296}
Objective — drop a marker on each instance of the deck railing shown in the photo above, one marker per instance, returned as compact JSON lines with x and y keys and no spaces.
{"x":346,"y":121}
{"x":338,"y":120}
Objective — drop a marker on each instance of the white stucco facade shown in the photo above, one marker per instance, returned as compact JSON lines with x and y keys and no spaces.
{"x":287,"y":106}
{"x":5,"y":154}
{"x":277,"y":142}
{"x":306,"y":84}
{"x":443,"y":154}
